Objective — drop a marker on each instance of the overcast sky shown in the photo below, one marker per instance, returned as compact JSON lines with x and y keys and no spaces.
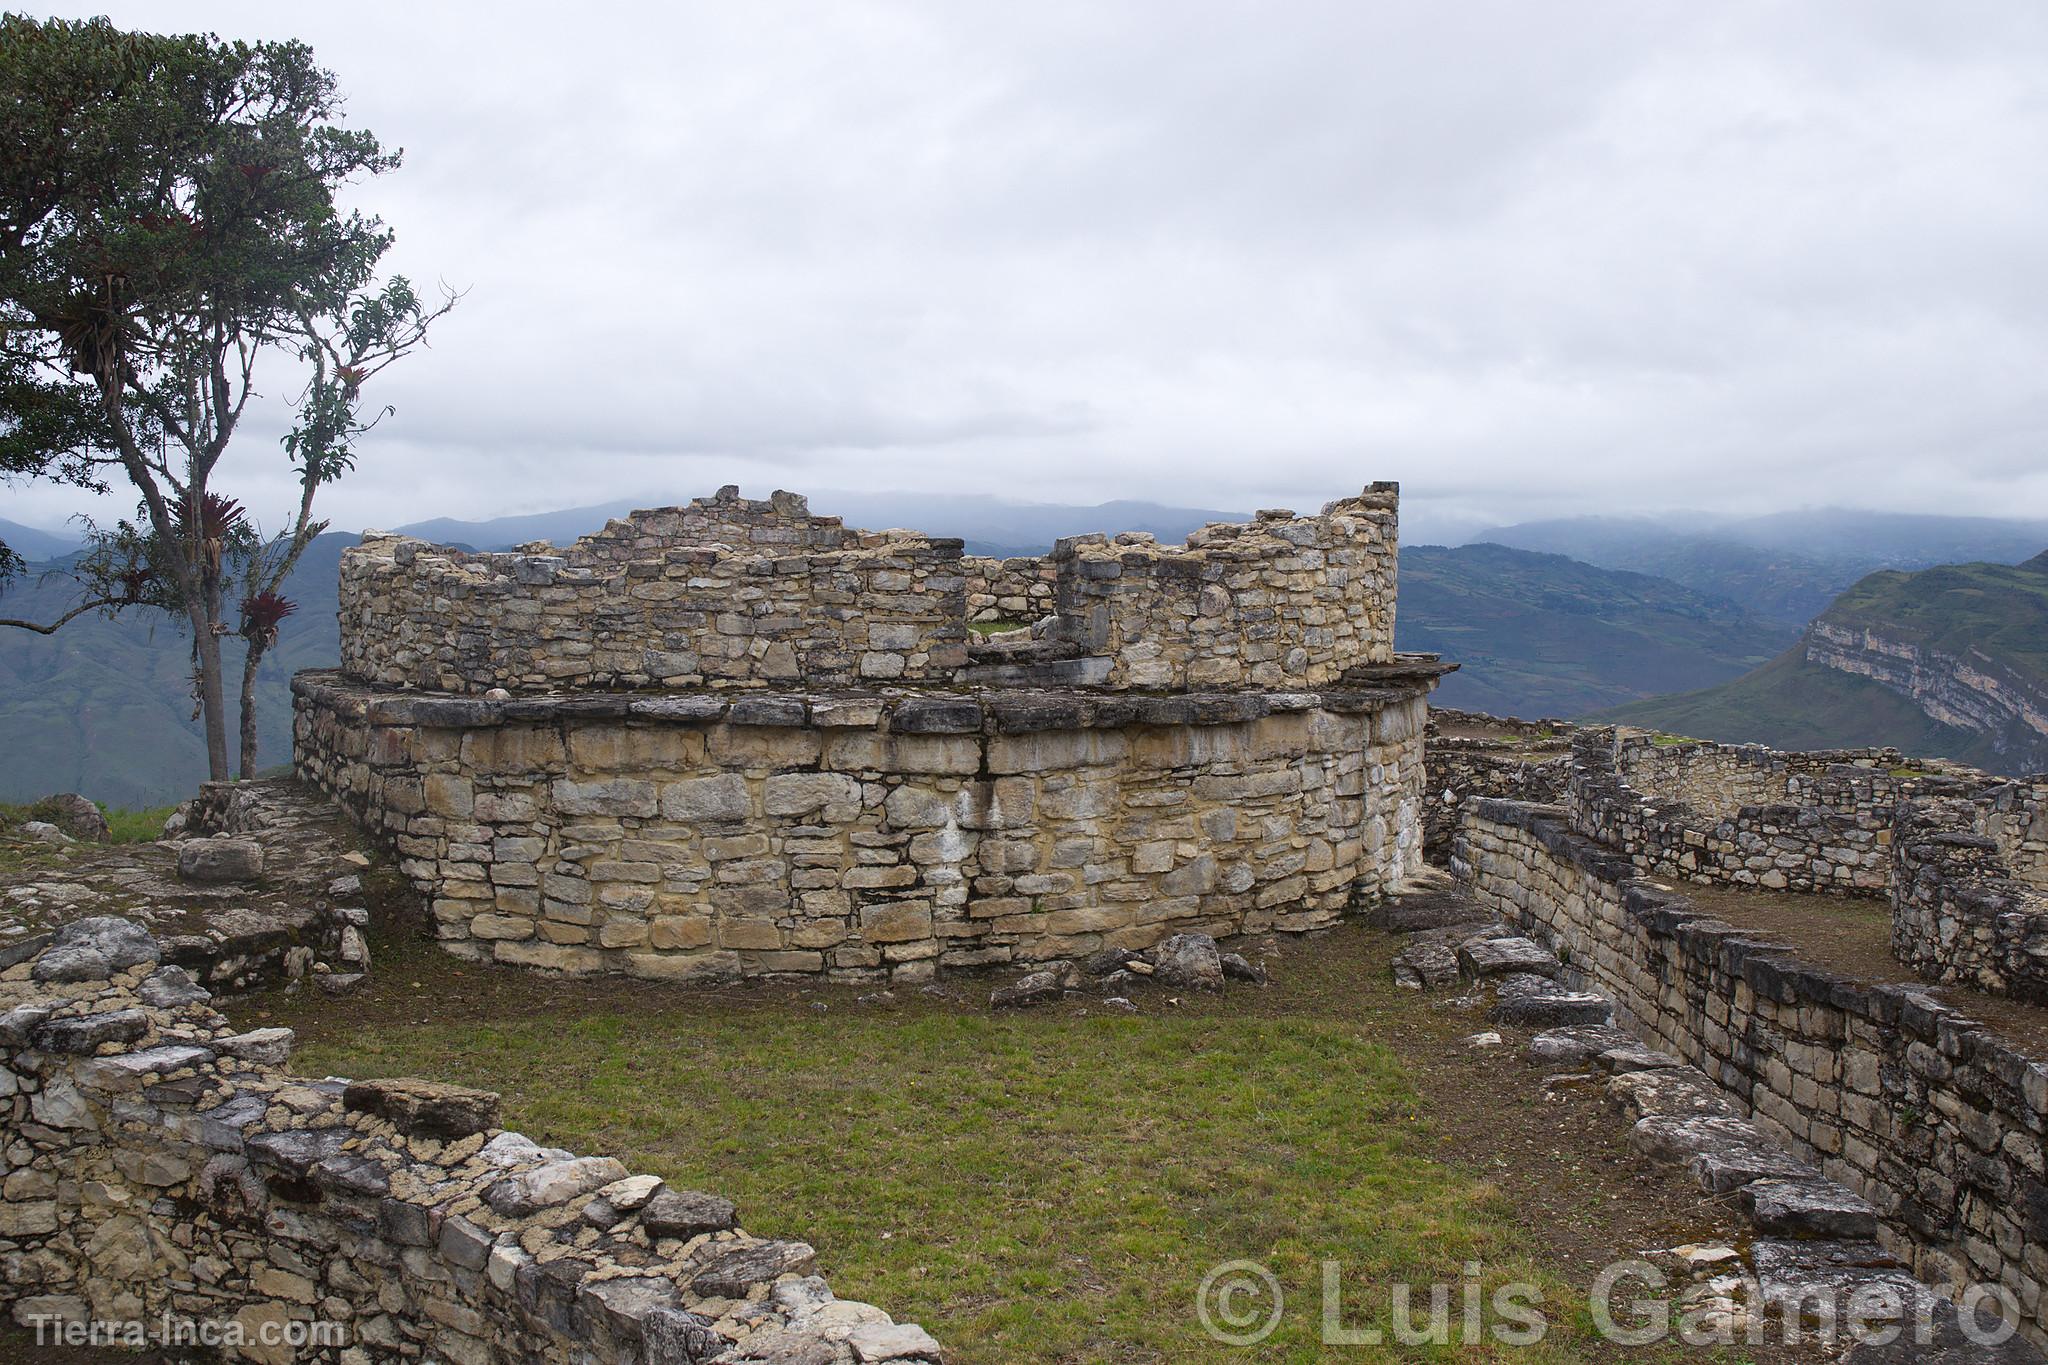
{"x":1526,"y":258}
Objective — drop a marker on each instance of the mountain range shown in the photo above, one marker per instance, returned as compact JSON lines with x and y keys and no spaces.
{"x":104,"y":707}
{"x":1788,"y":566}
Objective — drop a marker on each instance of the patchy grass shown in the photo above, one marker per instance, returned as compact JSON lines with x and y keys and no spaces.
{"x":128,"y":826}
{"x":1053,"y":1185}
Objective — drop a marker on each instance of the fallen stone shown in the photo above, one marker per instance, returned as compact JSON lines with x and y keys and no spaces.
{"x":1723,"y":1154}
{"x":424,"y":1108}
{"x":220,"y":859}
{"x":897,"y":1341}
{"x":1808,"y":1208}
{"x":1576,"y":1045}
{"x":1488,"y":1039}
{"x":1036,"y":988}
{"x":1815,"y":1281}
{"x":1694,"y":1258}
{"x":731,"y":1274}
{"x":1426,"y":966}
{"x":42,"y":831}
{"x":686,"y":1214}
{"x":1484,"y":957}
{"x":339,"y":983}
{"x":1535,"y":1002}
{"x":1188,"y":962}
{"x":1238,"y":967}
{"x":1425,"y":910}
{"x":1634,"y":1056}
{"x":1109,"y":960}
{"x":76,"y":816}
{"x":1669,"y":1092}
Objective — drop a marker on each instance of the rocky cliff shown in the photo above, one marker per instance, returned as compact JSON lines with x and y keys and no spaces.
{"x":1967,"y":644}
{"x":1949,"y":661}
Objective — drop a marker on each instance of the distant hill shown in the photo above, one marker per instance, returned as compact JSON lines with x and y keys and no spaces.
{"x":989,"y":525}
{"x":1950,"y":661}
{"x":1540,"y":634}
{"x":1788,"y":566}
{"x":105,"y":707}
{"x":34,"y":545}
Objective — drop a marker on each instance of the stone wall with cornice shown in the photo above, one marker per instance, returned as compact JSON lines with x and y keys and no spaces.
{"x":707,"y":836}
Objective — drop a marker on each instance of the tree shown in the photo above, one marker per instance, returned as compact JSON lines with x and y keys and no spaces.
{"x":167,"y":220}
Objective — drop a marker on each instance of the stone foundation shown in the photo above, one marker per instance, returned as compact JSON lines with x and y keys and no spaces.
{"x":707,"y":837}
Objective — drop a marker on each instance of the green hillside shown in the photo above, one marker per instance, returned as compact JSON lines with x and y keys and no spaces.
{"x":1539,"y":634}
{"x":1999,"y":611}
{"x":1991,"y":614}
{"x":105,"y":707}
{"x":1792,"y":704}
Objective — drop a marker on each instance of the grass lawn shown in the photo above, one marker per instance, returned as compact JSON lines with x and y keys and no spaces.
{"x":1054,"y":1185}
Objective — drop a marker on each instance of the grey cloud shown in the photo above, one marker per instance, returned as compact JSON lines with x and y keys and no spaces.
{"x":1524,"y":258}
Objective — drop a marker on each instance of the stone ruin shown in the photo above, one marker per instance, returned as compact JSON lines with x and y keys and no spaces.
{"x":168,"y":1172}
{"x":736,"y":739}
{"x":1882,"y":1111}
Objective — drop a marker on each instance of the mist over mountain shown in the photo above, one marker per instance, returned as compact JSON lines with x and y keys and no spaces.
{"x":34,"y":545}
{"x":1787,"y":566}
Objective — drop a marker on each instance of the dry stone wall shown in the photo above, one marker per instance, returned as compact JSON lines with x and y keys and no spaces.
{"x":1969,"y":900}
{"x":1018,"y":590}
{"x":1283,"y":601}
{"x":729,"y":592}
{"x":1820,"y":822}
{"x":723,"y":592}
{"x":1917,"y":1108}
{"x":1468,"y":754}
{"x":163,"y":1169}
{"x":703,"y":837}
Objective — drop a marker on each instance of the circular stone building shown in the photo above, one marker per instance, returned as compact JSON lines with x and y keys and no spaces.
{"x":734,"y":739}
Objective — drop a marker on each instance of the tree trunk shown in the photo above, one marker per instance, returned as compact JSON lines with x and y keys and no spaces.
{"x":250,"y":663}
{"x":212,"y":694}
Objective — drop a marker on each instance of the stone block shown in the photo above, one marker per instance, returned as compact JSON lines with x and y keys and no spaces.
{"x":707,"y":800}
{"x":895,"y":923}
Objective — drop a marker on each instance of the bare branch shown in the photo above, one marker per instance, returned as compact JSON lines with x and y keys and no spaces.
{"x":81,"y":609}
